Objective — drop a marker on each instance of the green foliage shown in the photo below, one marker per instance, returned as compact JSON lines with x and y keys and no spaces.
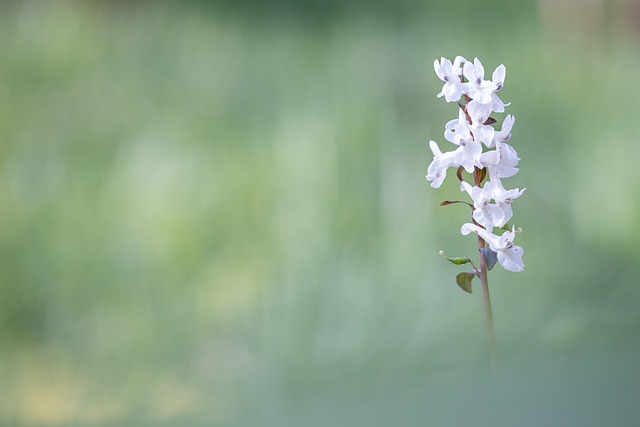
{"x":464,"y":280}
{"x":456,"y":260}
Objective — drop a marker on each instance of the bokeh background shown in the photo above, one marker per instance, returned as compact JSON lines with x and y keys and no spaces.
{"x":215,"y":213}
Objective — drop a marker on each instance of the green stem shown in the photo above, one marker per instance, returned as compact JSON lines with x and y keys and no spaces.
{"x":488,"y":313}
{"x":486,"y":298}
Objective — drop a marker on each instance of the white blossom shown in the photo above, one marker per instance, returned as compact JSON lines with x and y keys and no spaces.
{"x":505,"y":133}
{"x":437,"y":171}
{"x":479,"y":89}
{"x":498,"y":79}
{"x":502,"y":162}
{"x":469,"y":151}
{"x":450,"y":74}
{"x":479,"y":114}
{"x":500,"y":194}
{"x":487,"y":214}
{"x":484,"y":91}
{"x":509,"y":255}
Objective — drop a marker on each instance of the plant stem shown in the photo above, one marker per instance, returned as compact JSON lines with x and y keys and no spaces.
{"x":486,"y":298}
{"x":488,"y":313}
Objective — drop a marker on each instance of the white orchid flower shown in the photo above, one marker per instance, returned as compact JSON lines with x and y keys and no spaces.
{"x":487,"y":214}
{"x":469,"y":151}
{"x":437,"y":171}
{"x":479,"y":89}
{"x":450,"y":74}
{"x":479,"y":114}
{"x":509,"y":255}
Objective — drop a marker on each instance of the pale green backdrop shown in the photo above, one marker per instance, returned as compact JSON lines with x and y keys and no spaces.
{"x":216,"y":214}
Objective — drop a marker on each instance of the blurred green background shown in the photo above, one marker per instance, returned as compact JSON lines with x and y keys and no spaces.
{"x":216,"y":214}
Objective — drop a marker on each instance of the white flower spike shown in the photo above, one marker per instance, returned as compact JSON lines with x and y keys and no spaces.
{"x":492,"y":203}
{"x":471,"y":133}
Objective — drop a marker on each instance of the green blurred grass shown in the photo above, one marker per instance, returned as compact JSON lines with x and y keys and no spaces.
{"x":205,"y":215}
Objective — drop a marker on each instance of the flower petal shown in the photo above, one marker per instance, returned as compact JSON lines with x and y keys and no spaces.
{"x":511,"y":259}
{"x":435,"y":149}
{"x":488,"y":237}
{"x":483,"y":217}
{"x":498,"y":76}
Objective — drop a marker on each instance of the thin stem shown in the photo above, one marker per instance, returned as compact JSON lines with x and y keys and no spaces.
{"x":488,"y":313}
{"x":474,"y":267}
{"x":486,"y":297}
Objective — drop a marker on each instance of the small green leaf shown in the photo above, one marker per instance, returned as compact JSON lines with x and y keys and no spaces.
{"x":464,"y":281}
{"x":456,"y":260}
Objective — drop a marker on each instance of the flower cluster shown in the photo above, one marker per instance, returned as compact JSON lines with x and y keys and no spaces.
{"x":478,"y":98}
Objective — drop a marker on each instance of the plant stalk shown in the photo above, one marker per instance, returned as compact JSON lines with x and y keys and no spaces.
{"x":488,"y":313}
{"x":486,"y":297}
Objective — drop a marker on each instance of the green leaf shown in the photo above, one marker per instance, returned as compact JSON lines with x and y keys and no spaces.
{"x":456,"y":260}
{"x":464,"y":281}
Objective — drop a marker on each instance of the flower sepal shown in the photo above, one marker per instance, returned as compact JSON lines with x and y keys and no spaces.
{"x":456,"y":260}
{"x":490,"y":257}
